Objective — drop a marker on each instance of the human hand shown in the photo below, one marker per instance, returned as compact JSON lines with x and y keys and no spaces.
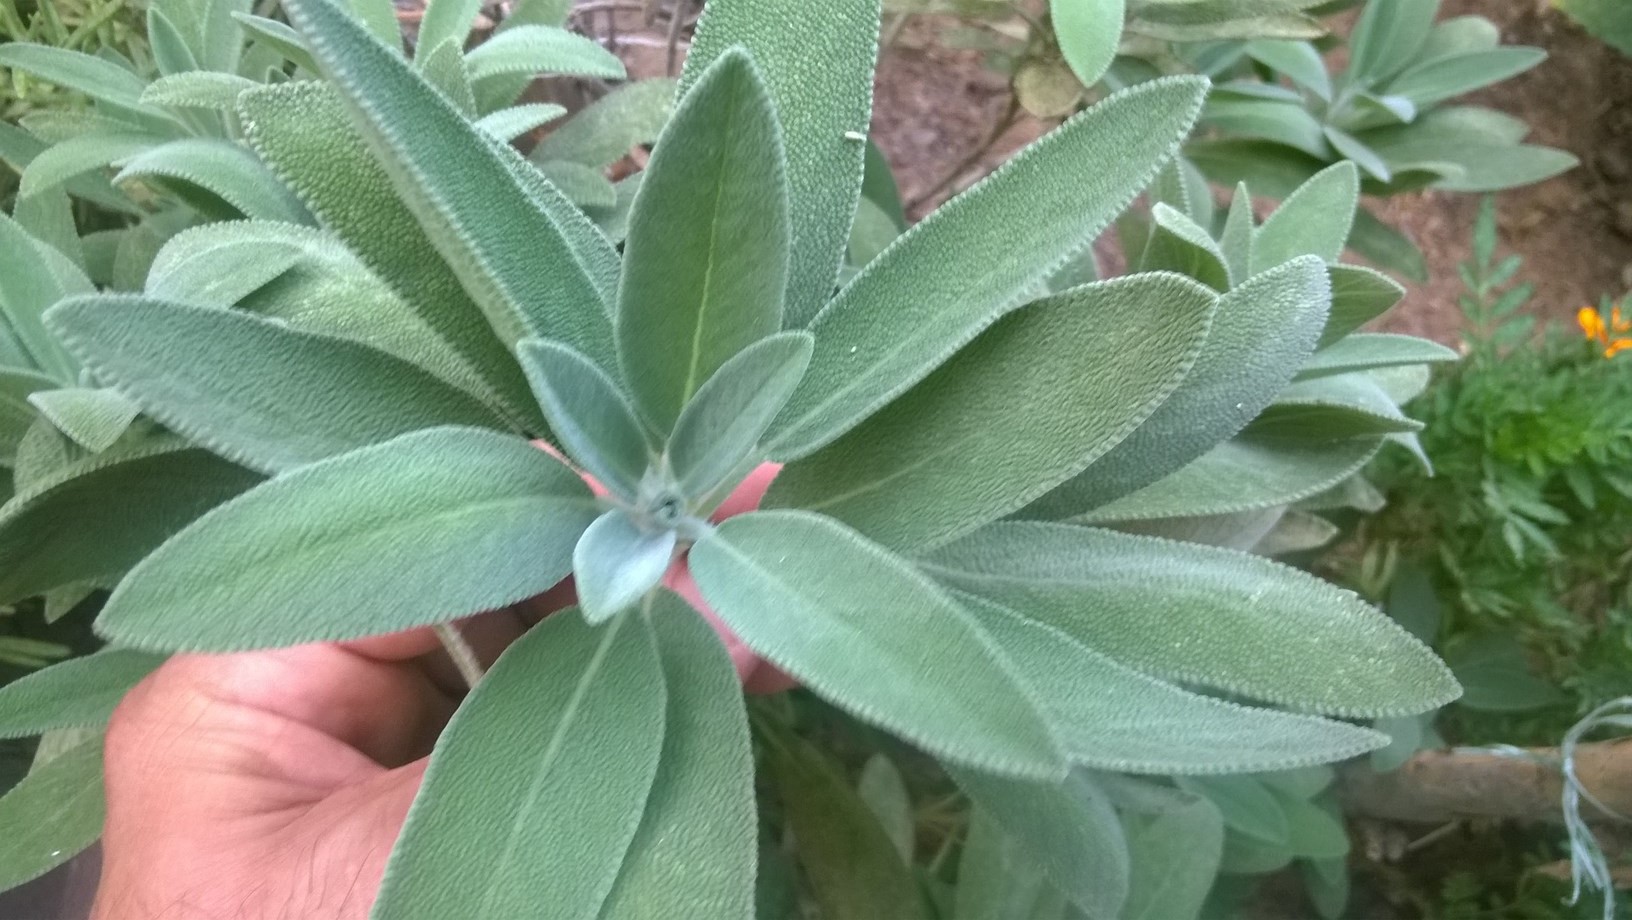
{"x":275,"y":783}
{"x":271,"y":784}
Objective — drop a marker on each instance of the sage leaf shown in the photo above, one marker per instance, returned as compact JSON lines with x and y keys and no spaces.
{"x":171,"y":52}
{"x":1314,"y":220}
{"x":53,"y":814}
{"x":804,"y":591}
{"x":1244,"y":473}
{"x":1246,"y":804}
{"x":279,"y":37}
{"x":602,"y":132}
{"x":582,"y":185}
{"x":1111,"y":717}
{"x":593,"y":421}
{"x":461,"y":190}
{"x":700,"y":283}
{"x":16,"y":412}
{"x":1367,"y":351}
{"x":29,"y":284}
{"x":998,"y":879}
{"x":184,"y":364}
{"x":381,"y":18}
{"x":822,"y":91}
{"x":1174,"y":858}
{"x":358,"y":545}
{"x":1261,"y":333}
{"x":885,"y":792}
{"x":720,"y":428}
{"x":1236,"y":240}
{"x":197,"y":89}
{"x":853,"y":870}
{"x":535,"y":49}
{"x":695,"y":852}
{"x":137,"y":497}
{"x":1088,"y":32}
{"x":100,"y":79}
{"x":537,"y":787}
{"x":1386,"y":39}
{"x":1179,"y":244}
{"x":72,"y":694}
{"x":974,"y":441}
{"x":444,"y":68}
{"x":972,"y":260}
{"x":444,"y":21}
{"x":303,"y":131}
{"x":510,"y":123}
{"x":75,"y":156}
{"x":93,"y":418}
{"x":616,"y":563}
{"x":1345,"y":405}
{"x":224,"y":169}
{"x":1203,"y":615}
{"x":1068,"y":827}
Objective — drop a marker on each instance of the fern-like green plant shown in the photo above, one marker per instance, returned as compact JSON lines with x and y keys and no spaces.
{"x":914,"y":562}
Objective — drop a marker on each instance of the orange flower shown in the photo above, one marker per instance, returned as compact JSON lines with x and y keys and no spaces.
{"x":1612,"y":335}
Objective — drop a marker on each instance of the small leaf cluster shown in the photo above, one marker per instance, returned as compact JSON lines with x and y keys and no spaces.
{"x":1280,"y":111}
{"x":1523,"y":532}
{"x":456,"y":390}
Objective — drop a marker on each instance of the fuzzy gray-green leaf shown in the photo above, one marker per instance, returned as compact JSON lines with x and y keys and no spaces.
{"x":695,"y":852}
{"x":1203,"y":615}
{"x":1174,"y":856}
{"x":588,"y":414}
{"x":1031,"y":402}
{"x":32,"y":278}
{"x":1359,"y":295}
{"x":55,"y":812}
{"x":1111,"y":717}
{"x":425,"y":528}
{"x":818,"y":62}
{"x":509,"y":254}
{"x":536,"y":49}
{"x":854,"y":873}
{"x":1242,"y":474}
{"x":975,"y":258}
{"x":1261,"y":333}
{"x":1088,"y":32}
{"x":17,"y":413}
{"x":1179,"y":244}
{"x":706,"y":260}
{"x":804,"y":592}
{"x":1344,"y":405}
{"x":303,"y":131}
{"x":223,"y":169}
{"x":137,"y":497}
{"x":198,"y":89}
{"x":1314,"y":220}
{"x":604,"y":131}
{"x":227,"y":380}
{"x":1066,"y":826}
{"x":616,"y":563}
{"x":536,"y":788}
{"x":74,"y":693}
{"x":1367,"y":351}
{"x":722,"y":425}
{"x":93,"y":418}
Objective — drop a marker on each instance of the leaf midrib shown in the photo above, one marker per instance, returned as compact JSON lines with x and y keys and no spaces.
{"x":689,"y":388}
{"x":551,"y":752}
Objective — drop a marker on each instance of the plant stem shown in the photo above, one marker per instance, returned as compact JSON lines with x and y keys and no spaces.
{"x":464,"y":657}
